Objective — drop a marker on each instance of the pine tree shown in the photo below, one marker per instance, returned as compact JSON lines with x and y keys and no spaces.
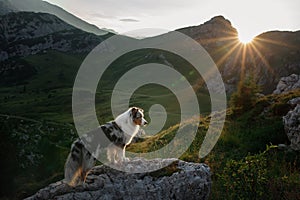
{"x":245,"y":97}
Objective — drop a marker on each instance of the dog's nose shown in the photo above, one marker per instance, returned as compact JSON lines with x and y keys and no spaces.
{"x":145,"y":123}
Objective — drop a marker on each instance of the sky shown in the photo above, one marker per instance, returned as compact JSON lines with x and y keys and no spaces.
{"x":249,"y":17}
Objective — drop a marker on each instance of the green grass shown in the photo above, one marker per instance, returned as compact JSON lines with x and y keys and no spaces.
{"x":244,"y":135}
{"x":35,"y":152}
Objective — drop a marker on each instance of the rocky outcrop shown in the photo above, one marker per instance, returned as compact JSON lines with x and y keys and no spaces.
{"x":287,"y":84}
{"x":294,"y":102}
{"x":214,"y":30}
{"x":26,"y":33}
{"x":180,"y":180}
{"x":7,"y":6}
{"x":291,"y":123}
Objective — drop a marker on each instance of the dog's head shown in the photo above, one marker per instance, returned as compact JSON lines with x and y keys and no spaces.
{"x":137,"y":115}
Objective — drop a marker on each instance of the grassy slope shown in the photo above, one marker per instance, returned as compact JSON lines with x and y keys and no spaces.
{"x":242,"y":135}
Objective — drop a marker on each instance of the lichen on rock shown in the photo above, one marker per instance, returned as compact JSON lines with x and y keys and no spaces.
{"x":179,"y":180}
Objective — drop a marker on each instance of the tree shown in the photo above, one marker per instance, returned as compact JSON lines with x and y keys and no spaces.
{"x":245,"y":97}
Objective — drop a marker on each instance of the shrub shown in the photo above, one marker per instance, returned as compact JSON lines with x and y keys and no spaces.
{"x":246,"y":178}
{"x":246,"y":96}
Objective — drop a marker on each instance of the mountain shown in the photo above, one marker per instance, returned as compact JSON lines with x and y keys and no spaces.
{"x":269,"y":56}
{"x":24,"y":33}
{"x":7,"y":6}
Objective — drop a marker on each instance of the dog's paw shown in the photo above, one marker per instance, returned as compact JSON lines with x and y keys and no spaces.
{"x":126,"y":159}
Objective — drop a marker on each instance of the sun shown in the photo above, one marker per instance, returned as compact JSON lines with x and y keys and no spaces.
{"x":245,"y":39}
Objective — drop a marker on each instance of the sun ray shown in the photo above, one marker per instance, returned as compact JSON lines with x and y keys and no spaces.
{"x":253,"y":59}
{"x":223,"y":58}
{"x":243,"y":66}
{"x":236,"y":47}
{"x":237,"y":56}
{"x":225,"y":46}
{"x":263,"y":59}
{"x":264,"y":40}
{"x":213,"y":40}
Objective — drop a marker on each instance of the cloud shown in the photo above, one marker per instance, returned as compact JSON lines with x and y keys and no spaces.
{"x":129,"y":20}
{"x":102,"y":16}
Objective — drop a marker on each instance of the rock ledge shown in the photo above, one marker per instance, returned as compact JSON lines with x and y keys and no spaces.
{"x":179,"y":180}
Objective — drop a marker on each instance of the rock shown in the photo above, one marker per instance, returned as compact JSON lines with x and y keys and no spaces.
{"x":282,"y":147}
{"x":291,"y":123}
{"x":179,"y":180}
{"x":287,"y":84}
{"x":294,"y":101}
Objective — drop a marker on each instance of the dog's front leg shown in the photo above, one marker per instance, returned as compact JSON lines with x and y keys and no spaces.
{"x":121,"y":155}
{"x":111,"y":154}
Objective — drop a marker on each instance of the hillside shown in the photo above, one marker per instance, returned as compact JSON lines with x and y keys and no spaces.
{"x":246,"y":161}
{"x":23,"y":34}
{"x":270,"y":56}
{"x":7,"y":6}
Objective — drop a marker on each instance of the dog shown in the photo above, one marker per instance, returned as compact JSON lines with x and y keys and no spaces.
{"x":120,"y":133}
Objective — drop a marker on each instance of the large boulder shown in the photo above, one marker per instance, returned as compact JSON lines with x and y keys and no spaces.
{"x":179,"y":180}
{"x":287,"y":84}
{"x":291,"y":123}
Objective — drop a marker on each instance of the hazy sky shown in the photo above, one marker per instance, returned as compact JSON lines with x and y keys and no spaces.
{"x":249,"y":17}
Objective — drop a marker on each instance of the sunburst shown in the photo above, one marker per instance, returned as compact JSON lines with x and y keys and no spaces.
{"x":242,"y":54}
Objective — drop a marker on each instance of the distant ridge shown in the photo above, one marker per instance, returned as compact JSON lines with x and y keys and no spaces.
{"x":7,"y":6}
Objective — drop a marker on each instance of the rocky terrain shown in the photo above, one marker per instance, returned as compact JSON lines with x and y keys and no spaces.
{"x":8,"y":6}
{"x":180,"y":180}
{"x":287,"y":84}
{"x":291,"y":120}
{"x":292,"y":126}
{"x":25,"y":33}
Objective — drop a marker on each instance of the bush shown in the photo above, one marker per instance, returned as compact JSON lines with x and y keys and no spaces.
{"x":246,"y":96}
{"x":272,"y":174}
{"x":246,"y":178}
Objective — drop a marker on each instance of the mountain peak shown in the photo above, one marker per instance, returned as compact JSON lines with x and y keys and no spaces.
{"x":216,"y":28}
{"x":218,"y":19}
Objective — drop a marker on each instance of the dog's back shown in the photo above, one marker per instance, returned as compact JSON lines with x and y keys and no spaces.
{"x":80,"y":160}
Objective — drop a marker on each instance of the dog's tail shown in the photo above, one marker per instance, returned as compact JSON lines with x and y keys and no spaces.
{"x":78,"y":163}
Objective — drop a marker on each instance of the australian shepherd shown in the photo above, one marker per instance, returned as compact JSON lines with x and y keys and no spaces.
{"x":120,"y":133}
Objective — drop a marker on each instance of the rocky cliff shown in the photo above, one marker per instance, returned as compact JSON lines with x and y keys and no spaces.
{"x":26,"y":33}
{"x":180,"y":180}
{"x":7,"y":6}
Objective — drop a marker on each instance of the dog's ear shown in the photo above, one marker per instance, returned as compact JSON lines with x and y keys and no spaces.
{"x":133,"y":111}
